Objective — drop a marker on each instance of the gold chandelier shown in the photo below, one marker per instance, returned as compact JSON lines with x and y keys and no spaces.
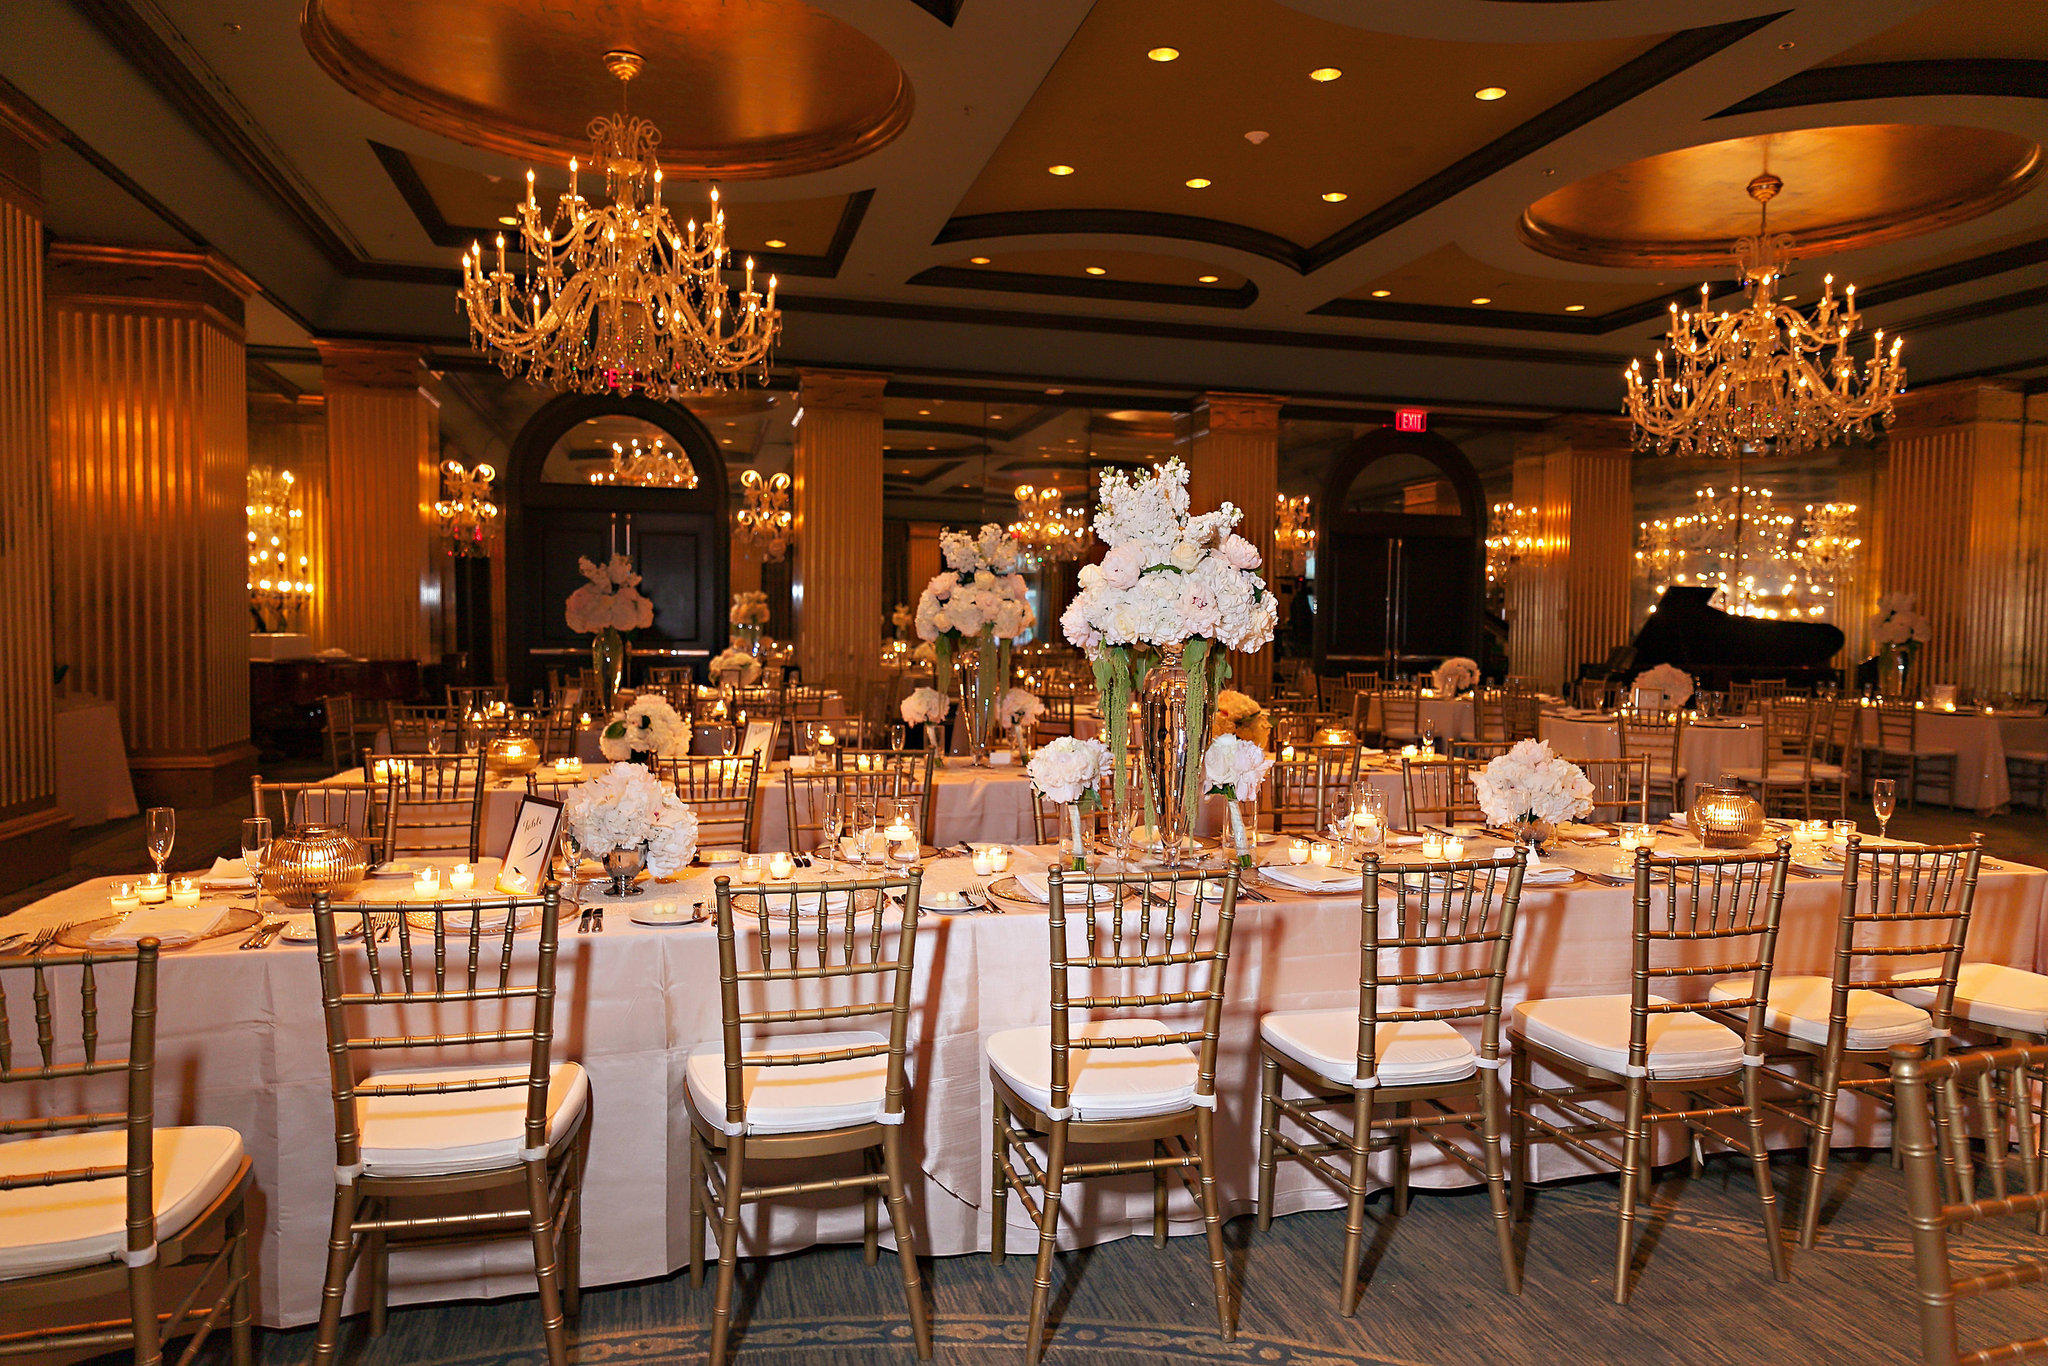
{"x":1294,"y":533}
{"x":1513,"y":532}
{"x":764,"y":523}
{"x":1757,"y":377}
{"x":1762,"y":559}
{"x":653,"y":466}
{"x":467,"y":513}
{"x":618,"y":299}
{"x":1047,"y":531}
{"x":279,"y":569}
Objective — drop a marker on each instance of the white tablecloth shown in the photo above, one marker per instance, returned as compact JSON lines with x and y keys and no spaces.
{"x":93,"y":782}
{"x":1706,"y":750}
{"x":240,"y":1043}
{"x":1451,"y":716}
{"x":1979,"y":743}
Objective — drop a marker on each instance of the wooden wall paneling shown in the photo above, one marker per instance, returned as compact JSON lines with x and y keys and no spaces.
{"x":837,"y":586}
{"x":1234,"y":457}
{"x":1568,"y":600}
{"x":383,"y":477}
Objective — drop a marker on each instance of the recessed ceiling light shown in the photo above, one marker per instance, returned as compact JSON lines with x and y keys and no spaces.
{"x":1206,"y":279}
{"x":977,"y":260}
{"x":726,"y":439}
{"x":777,"y":242}
{"x":1096,"y":270}
{"x":732,"y":424}
{"x":924,"y":412}
{"x":1785,"y":46}
{"x":1324,"y":73}
{"x":995,"y":417}
{"x":1789,"y":298}
{"x":1482,"y":300}
{"x":1163,"y":54}
{"x":1490,"y":92}
{"x":1055,"y":392}
{"x":1060,"y":170}
{"x":1335,"y":197}
{"x":1257,"y":136}
{"x":1198,"y":183}
{"x":508,"y":220}
{"x":1381,"y":293}
{"x":1575,"y":308}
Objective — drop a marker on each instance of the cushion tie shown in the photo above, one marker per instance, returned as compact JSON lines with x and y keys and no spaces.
{"x":139,"y":1258}
{"x":346,"y":1176}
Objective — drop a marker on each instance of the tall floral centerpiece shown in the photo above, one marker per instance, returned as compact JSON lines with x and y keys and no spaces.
{"x":978,"y":602}
{"x":1017,"y":712}
{"x":1071,"y":772}
{"x":628,"y":819}
{"x":1235,"y":770}
{"x":748,"y":616}
{"x":1172,"y":593}
{"x":1529,"y":790}
{"x":606,"y":608}
{"x":902,"y":619}
{"x":1454,"y":676}
{"x":926,"y":709}
{"x":1674,"y":683}
{"x":1899,"y":633}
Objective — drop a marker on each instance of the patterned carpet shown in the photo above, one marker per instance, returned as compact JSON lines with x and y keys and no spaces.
{"x":1433,"y":1295}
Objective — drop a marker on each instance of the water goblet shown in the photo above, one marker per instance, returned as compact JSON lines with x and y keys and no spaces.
{"x":162,"y":829}
{"x":1884,"y":796}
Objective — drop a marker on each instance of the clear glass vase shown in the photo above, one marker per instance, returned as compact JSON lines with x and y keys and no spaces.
{"x":1168,"y":749}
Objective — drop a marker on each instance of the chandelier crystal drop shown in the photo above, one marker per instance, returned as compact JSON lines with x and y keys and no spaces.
{"x":1763,"y":376}
{"x":655,"y":466}
{"x":1047,"y":531}
{"x":618,"y":299}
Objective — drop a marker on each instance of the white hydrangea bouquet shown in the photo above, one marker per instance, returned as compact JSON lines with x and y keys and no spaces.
{"x":1235,"y":769}
{"x":1019,"y":708}
{"x":1454,"y":675}
{"x":626,"y":807}
{"x":606,"y":607}
{"x":1900,"y":632}
{"x":735,"y":666}
{"x":649,"y":726}
{"x":980,"y":600}
{"x":1673,"y":682}
{"x":1530,"y":790}
{"x":749,"y":608}
{"x":1171,"y":585}
{"x":1071,"y":772}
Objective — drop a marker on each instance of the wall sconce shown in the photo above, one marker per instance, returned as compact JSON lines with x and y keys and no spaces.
{"x":764,"y":522}
{"x":467,"y":513}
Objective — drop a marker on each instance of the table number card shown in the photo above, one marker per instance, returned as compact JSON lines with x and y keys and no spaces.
{"x":535,"y":829}
{"x":760,"y":740}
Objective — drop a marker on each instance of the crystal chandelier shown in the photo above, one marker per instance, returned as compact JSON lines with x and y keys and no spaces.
{"x":1294,"y":533}
{"x":1512,"y":533}
{"x":1761,"y":559}
{"x":1753,"y":378}
{"x":1829,"y":545}
{"x":653,"y":466}
{"x":1047,"y":531}
{"x":764,"y":522}
{"x":467,"y":513}
{"x":279,"y":570}
{"x":618,"y":299}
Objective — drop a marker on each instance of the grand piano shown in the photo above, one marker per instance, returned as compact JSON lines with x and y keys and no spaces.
{"x":1717,"y":648}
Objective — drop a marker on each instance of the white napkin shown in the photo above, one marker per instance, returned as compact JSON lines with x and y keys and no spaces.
{"x":227,"y":872}
{"x":173,"y":925}
{"x":1039,"y":886}
{"x":1308,"y":877}
{"x":1546,"y":874}
{"x":1000,"y":758}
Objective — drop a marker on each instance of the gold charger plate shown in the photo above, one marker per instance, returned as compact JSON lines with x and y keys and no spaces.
{"x":238,"y":920}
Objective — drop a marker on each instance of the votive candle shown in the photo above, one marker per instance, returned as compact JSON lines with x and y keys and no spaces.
{"x":124,"y":900}
{"x":1409,"y":751}
{"x":152,"y":889}
{"x":999,"y":859}
{"x":184,"y":891}
{"x":750,"y":868}
{"x":1432,"y":846}
{"x":1454,"y":847}
{"x":1298,"y":851}
{"x":461,"y":878}
{"x":1842,"y":831}
{"x":1320,"y":854}
{"x":984,"y":861}
{"x":781,"y":867}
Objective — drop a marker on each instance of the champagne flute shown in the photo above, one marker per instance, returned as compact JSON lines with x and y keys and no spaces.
{"x":435,"y":737}
{"x":162,"y":827}
{"x":255,"y":847}
{"x":1884,"y":796}
{"x":832,"y":824}
{"x":1428,"y":736}
{"x":897,"y":735}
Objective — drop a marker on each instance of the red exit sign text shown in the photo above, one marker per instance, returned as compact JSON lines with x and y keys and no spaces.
{"x":1411,"y":419}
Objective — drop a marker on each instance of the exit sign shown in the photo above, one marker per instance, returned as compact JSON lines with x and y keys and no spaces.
{"x":1411,"y":419}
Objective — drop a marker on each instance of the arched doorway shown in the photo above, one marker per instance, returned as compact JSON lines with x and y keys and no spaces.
{"x":1400,"y":554}
{"x":677,"y":536}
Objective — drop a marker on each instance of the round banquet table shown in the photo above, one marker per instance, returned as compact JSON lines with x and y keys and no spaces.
{"x":240,"y":1043}
{"x":1706,"y":750}
{"x":1450,"y":716}
{"x":1979,"y":742}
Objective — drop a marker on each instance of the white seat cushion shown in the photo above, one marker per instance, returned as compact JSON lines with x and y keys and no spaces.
{"x":1405,"y":1052}
{"x":1988,"y":994}
{"x":460,"y":1131}
{"x":805,"y":1097}
{"x":1595,"y":1030}
{"x":1798,"y":1007}
{"x":1102,"y":1083}
{"x":84,"y":1223}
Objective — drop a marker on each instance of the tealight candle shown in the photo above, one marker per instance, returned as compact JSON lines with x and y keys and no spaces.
{"x":1630,"y":842}
{"x":427,"y":882}
{"x":570,"y":766}
{"x":984,"y":861}
{"x":1320,"y":854}
{"x":827,"y":738}
{"x":152,"y":889}
{"x":1432,"y":846}
{"x":1297,"y":852}
{"x":124,"y":900}
{"x":781,"y":867}
{"x":1646,"y":837}
{"x":750,"y":868}
{"x":860,"y":763}
{"x":184,"y":891}
{"x":1286,"y":753}
{"x":586,"y":718}
{"x":461,"y":878}
{"x":1454,"y":847}
{"x":1842,"y":831}
{"x":999,"y":859}
{"x":1409,"y":751}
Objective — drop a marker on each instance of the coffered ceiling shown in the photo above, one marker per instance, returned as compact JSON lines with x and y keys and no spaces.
{"x":1481,"y":206}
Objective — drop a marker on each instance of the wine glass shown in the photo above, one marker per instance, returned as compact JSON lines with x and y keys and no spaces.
{"x":571,"y":861}
{"x":897,"y":735}
{"x":162,"y":827}
{"x":436,"y":737}
{"x":1428,"y":736}
{"x":1884,"y":796}
{"x":255,"y":847}
{"x":832,"y":824}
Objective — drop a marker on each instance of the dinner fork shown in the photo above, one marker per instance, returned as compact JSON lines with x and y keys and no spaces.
{"x":47,"y":938}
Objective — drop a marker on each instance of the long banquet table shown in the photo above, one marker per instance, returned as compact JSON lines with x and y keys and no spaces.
{"x":240,"y":1043}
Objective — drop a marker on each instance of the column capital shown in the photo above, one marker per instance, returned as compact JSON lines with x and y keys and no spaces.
{"x":1587,"y":433}
{"x":26,"y":132}
{"x":90,"y":274}
{"x":1227,"y":412}
{"x":1957,"y":404}
{"x":858,"y":391}
{"x":371,"y":365}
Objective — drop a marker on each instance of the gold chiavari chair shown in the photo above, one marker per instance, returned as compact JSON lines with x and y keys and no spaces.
{"x":806,"y":734}
{"x":434,"y":804}
{"x":1490,"y":714}
{"x":1897,"y":903}
{"x":915,"y":772}
{"x":805,"y":794}
{"x":1118,"y":1080}
{"x":411,"y":729}
{"x":1059,"y":711}
{"x":510,"y":1134}
{"x":1931,"y":1213}
{"x":663,"y":677}
{"x":1785,"y":781}
{"x":1476,"y":753}
{"x":1743,"y":695}
{"x":1899,"y":753}
{"x":556,"y":731}
{"x":1300,"y":728}
{"x":1592,"y":694}
{"x":357,"y":808}
{"x":799,"y":1097}
{"x":723,"y":792}
{"x":1834,"y":754}
{"x":1621,"y":788}
{"x":347,"y":729}
{"x":1300,"y":789}
{"x":1439,"y":792}
{"x":466,"y":698}
{"x":1659,"y":742}
{"x":1400,"y":1068}
{"x":1525,"y":715}
{"x":1048,"y":819}
{"x":1521,"y":683}
{"x":1400,"y":716}
{"x":1630,"y":1047}
{"x":104,"y":1206}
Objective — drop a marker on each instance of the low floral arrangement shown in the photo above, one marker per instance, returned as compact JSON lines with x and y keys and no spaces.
{"x":649,"y":726}
{"x":1531,"y":786}
{"x":1455,"y":675}
{"x":1240,"y":715}
{"x":610,"y":601}
{"x":739,"y":664}
{"x":1071,"y":772}
{"x":625,"y":807}
{"x":925,"y":707}
{"x":1235,"y":769}
{"x":1675,"y":683}
{"x":1018,"y":708}
{"x":749,"y":608}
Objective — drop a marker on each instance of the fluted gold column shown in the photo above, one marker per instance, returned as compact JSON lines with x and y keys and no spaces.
{"x":838,"y":506}
{"x":1962,"y":526}
{"x":287,"y":434}
{"x":383,"y":475}
{"x":148,"y":480}
{"x":34,"y":841}
{"x":1568,"y":600}
{"x":1234,"y":457}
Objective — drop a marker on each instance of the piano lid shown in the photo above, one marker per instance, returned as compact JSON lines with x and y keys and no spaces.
{"x":1686,"y":630}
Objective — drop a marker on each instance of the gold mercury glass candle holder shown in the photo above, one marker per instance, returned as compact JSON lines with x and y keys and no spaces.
{"x":311,"y":859}
{"x":1724,"y":815}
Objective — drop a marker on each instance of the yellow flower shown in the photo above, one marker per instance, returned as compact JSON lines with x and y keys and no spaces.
{"x":1242,"y":716}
